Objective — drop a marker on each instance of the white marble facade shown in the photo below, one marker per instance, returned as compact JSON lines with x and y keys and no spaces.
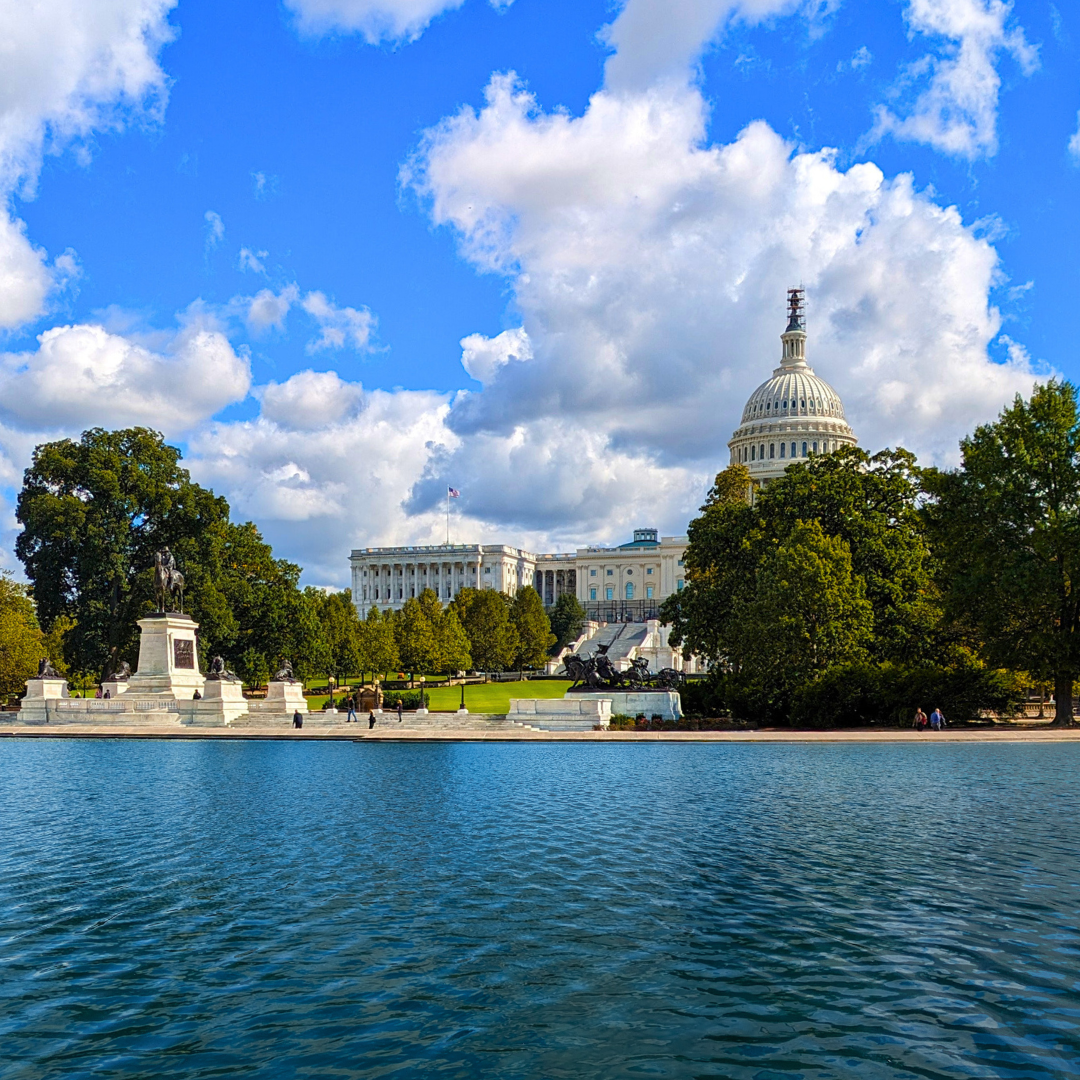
{"x":628,"y":581}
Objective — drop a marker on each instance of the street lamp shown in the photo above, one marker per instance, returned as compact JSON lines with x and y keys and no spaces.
{"x":462,"y":706}
{"x":330,"y":681}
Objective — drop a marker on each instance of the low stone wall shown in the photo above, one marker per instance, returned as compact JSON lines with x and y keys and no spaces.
{"x":577,"y":713}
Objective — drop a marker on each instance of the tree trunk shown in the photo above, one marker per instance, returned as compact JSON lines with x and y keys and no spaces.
{"x":1063,"y":686}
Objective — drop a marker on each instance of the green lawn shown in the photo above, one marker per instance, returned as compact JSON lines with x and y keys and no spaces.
{"x":495,"y":697}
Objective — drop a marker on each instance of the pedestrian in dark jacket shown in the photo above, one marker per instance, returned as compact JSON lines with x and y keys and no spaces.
{"x":297,"y":719}
{"x":399,"y":711}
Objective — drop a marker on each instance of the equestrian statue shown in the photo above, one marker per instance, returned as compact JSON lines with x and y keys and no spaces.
{"x":168,"y":581}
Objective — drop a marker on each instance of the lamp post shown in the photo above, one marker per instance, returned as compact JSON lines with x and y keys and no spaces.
{"x":461,"y":708}
{"x":423,"y":679}
{"x":330,"y":682}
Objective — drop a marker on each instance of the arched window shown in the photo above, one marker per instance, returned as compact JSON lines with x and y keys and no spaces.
{"x":803,"y":402}
{"x":629,"y":590}
{"x":793,"y":448}
{"x":783,"y":447}
{"x":772,"y":450}
{"x":753,"y":452}
{"x":768,"y":405}
{"x":761,"y":451}
{"x":804,"y":449}
{"x":815,"y":446}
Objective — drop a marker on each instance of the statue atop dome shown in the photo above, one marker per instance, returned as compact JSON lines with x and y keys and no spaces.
{"x":796,"y":301}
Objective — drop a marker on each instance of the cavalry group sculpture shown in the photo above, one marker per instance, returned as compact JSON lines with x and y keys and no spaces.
{"x":597,"y":672}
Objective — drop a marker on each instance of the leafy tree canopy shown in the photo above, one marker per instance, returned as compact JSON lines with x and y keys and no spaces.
{"x":532,"y":629}
{"x":868,"y":502}
{"x":21,"y":641}
{"x":567,"y":619}
{"x":1006,"y":526}
{"x":485,"y":616}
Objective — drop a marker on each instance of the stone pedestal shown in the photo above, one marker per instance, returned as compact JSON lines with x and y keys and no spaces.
{"x":223,"y":703}
{"x":168,"y":658}
{"x":285,"y":697}
{"x":663,"y":703}
{"x":40,"y":694}
{"x":561,"y":714}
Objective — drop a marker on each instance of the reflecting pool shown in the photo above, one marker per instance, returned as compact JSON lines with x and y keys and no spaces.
{"x":754,"y":912}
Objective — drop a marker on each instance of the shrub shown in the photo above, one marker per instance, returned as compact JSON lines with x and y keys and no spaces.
{"x":410,"y":699}
{"x":854,"y":695}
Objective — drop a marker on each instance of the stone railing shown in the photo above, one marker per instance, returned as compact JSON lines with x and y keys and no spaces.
{"x":113,"y":705}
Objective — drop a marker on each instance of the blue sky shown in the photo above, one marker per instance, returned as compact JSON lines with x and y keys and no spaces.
{"x":346,"y":252}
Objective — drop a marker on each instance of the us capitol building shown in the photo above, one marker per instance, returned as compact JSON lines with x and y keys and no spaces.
{"x":790,"y":417}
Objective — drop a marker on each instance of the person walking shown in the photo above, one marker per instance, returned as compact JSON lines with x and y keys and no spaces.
{"x":919,"y":722}
{"x":937,"y":719}
{"x":297,"y":719}
{"x":351,"y":718}
{"x":371,"y":719}
{"x":399,"y":711}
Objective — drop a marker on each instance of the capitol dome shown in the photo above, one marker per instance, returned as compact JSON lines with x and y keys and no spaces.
{"x":794,"y":414}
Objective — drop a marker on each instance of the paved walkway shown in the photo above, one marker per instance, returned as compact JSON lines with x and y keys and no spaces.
{"x":350,"y":733}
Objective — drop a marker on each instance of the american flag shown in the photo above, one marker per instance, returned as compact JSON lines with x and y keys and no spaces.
{"x":454,"y":493}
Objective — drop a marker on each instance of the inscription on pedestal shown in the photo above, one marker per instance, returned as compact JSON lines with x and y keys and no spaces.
{"x":184,"y":654}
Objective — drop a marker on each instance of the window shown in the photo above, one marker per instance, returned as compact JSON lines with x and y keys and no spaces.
{"x":804,"y":449}
{"x":753,"y":453}
{"x":782,"y":449}
{"x":629,"y":590}
{"x":772,"y":450}
{"x":610,"y":573}
{"x":802,"y":401}
{"x":487,"y":569}
{"x":793,"y":448}
{"x":648,"y":592}
{"x":649,"y":570}
{"x":592,"y":573}
{"x":592,"y":593}
{"x":815,"y":446}
{"x":609,"y":593}
{"x":629,"y":572}
{"x":680,"y":562}
{"x":762,"y":452}
{"x":679,"y":584}
{"x":768,"y":405}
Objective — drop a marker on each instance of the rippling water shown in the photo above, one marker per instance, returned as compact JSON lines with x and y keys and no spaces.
{"x":210,"y":909}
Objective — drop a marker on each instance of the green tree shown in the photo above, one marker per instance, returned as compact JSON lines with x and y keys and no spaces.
{"x":1006,"y":526}
{"x":93,"y":514}
{"x":869,"y":502}
{"x":417,"y":638}
{"x":340,"y":630}
{"x":378,"y":644}
{"x":532,"y":629}
{"x":21,"y":642}
{"x":253,"y":668}
{"x":485,"y":616}
{"x":455,"y":644}
{"x":809,"y":611}
{"x":567,"y":620}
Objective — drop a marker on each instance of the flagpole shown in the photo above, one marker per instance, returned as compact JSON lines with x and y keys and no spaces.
{"x":448,"y":516}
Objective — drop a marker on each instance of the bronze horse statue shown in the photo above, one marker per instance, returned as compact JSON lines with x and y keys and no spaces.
{"x":168,"y":581}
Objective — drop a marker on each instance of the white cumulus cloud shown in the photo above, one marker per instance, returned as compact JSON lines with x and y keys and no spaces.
{"x":649,"y":270}
{"x":656,"y":40}
{"x":955,"y":109}
{"x":483,"y":356}
{"x":67,"y":68}
{"x":81,"y":376}
{"x":375,"y":20}
{"x":327,"y":465}
{"x":1074,"y":141}
{"x":339,"y":326}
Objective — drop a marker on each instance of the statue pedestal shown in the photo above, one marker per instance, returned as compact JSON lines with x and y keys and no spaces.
{"x":286,"y":697}
{"x":168,"y":658}
{"x":222,"y":704}
{"x":663,"y":703}
{"x":40,"y":693}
